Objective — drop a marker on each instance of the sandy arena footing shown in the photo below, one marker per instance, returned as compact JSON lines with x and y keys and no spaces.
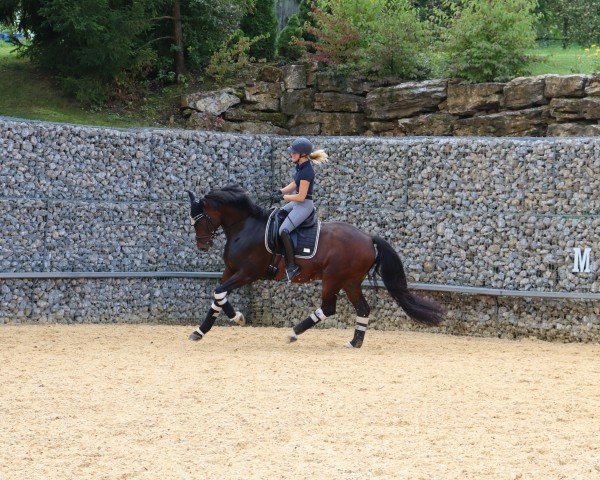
{"x":142,"y":402}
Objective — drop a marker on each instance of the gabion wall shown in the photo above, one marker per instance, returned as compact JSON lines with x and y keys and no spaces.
{"x":480,"y":212}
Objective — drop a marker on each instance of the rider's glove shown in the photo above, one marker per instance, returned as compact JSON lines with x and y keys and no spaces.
{"x":277,"y":196}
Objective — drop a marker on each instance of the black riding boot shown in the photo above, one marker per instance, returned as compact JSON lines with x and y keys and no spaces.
{"x":291,"y":269}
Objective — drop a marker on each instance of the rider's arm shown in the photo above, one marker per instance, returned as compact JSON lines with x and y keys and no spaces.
{"x":289,"y":188}
{"x":301,"y":195}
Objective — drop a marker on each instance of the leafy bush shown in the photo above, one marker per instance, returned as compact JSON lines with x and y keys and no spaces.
{"x":287,"y":45}
{"x":379,"y":37}
{"x":232,"y":57}
{"x":487,"y":40}
{"x":338,"y":41}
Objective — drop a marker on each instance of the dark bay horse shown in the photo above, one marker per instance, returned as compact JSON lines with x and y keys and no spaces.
{"x":344,"y":258}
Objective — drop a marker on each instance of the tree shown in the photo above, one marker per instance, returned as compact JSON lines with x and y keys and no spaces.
{"x":306,"y":18}
{"x":261,"y":20}
{"x":287,"y":45}
{"x":573,"y":21}
{"x":92,"y":43}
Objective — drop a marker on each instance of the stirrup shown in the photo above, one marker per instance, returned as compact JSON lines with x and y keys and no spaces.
{"x":291,"y":271}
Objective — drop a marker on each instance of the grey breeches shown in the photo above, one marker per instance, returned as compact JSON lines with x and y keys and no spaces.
{"x":299,"y":211}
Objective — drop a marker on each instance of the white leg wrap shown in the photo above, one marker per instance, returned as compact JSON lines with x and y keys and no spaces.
{"x":214,"y":306}
{"x":199,"y":332}
{"x":361,"y":323}
{"x":239,"y":319}
{"x":220,"y":296}
{"x":320,"y":315}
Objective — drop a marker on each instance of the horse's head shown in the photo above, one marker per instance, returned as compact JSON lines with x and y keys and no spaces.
{"x":205,"y":222}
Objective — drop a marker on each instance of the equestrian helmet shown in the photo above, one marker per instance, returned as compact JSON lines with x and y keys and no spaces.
{"x":301,"y":145}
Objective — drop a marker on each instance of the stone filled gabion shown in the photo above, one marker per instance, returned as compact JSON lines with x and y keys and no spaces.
{"x":482,"y":212}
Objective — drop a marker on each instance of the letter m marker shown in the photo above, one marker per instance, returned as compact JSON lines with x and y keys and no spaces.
{"x":581,"y":263}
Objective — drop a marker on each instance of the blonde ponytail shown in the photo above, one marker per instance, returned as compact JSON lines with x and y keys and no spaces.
{"x":319,"y":156}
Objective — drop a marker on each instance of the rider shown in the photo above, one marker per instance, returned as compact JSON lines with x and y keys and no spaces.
{"x":299,"y":194}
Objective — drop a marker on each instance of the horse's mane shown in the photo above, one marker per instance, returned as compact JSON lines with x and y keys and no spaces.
{"x":235,"y":196}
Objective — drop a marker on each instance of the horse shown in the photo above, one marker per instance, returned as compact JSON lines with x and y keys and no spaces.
{"x":344,"y":258}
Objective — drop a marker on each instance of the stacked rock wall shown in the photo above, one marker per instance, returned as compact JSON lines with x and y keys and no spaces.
{"x":297,"y":99}
{"x":478,"y":212}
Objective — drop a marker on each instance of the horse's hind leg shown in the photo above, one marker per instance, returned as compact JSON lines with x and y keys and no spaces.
{"x":363,"y":310}
{"x":328,"y":303}
{"x":222,"y":301}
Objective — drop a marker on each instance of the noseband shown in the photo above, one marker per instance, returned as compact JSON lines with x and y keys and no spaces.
{"x":211,"y":225}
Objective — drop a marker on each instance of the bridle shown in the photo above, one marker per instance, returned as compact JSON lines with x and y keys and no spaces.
{"x":211,"y":236}
{"x":211,"y":227}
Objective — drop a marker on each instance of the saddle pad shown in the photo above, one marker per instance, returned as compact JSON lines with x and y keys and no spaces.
{"x":305,"y":239}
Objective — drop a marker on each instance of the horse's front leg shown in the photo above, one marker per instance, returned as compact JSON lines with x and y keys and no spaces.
{"x":221,"y":302}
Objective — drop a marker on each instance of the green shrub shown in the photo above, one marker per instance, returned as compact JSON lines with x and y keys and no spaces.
{"x":396,"y":41}
{"x":487,"y":40}
{"x":261,"y":21}
{"x":232,"y":57}
{"x":287,"y":45}
{"x":88,"y":91}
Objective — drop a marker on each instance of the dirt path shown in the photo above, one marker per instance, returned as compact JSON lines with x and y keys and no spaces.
{"x":141,"y":402}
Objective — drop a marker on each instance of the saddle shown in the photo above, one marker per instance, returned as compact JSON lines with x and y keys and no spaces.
{"x":305,"y":237}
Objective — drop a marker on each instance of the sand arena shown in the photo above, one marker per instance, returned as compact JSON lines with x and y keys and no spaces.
{"x":142,"y":402}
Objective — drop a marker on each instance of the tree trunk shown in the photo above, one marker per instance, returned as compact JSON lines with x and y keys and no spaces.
{"x":178,"y":36}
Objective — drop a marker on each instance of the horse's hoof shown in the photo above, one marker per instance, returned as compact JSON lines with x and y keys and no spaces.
{"x":195,"y":336}
{"x":292,"y":338}
{"x":349,"y":345}
{"x":239,"y":319}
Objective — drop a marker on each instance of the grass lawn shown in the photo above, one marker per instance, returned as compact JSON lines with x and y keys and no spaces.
{"x":554,"y":59}
{"x":25,"y":92}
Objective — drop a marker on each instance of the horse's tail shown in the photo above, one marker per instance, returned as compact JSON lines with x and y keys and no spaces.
{"x":389,"y":265}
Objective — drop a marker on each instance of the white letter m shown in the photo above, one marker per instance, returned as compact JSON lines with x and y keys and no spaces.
{"x":582,"y":260}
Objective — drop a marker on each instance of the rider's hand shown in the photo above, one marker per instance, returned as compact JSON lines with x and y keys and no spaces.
{"x":277,"y":196}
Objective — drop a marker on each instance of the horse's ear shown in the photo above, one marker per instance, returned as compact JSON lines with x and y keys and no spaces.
{"x":192,"y":197}
{"x":196,"y":208}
